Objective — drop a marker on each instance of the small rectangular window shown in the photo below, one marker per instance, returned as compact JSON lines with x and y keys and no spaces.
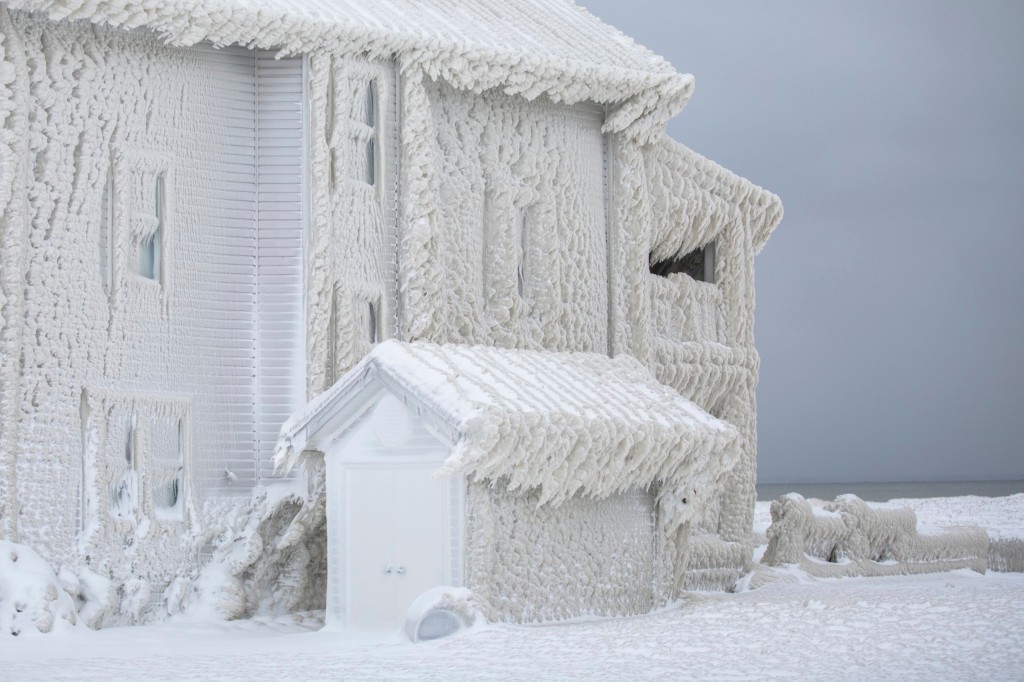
{"x":123,"y":485}
{"x":371,"y":104}
{"x":485,"y":246}
{"x":374,"y":323}
{"x":371,"y":163}
{"x":363,"y":114}
{"x":106,"y":232}
{"x":332,"y":343}
{"x":698,"y":264}
{"x":150,"y":245}
{"x":167,"y":469}
{"x":524,"y":223}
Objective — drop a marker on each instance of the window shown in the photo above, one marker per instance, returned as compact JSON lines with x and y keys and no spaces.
{"x":151,"y":243}
{"x":166,"y":469}
{"x":106,"y":232}
{"x":123,"y":487}
{"x":364,"y":135}
{"x":374,"y":323}
{"x":371,"y":121}
{"x":330,"y":375}
{"x":140,"y":453}
{"x":698,"y":264}
{"x":370,"y":177}
{"x":140,"y":212}
{"x":524,"y":224}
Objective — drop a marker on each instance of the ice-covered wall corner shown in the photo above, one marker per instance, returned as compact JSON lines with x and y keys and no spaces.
{"x":847,"y":537}
{"x":697,"y":336}
{"x":106,"y":407}
{"x":352,"y":297}
{"x":13,"y":232}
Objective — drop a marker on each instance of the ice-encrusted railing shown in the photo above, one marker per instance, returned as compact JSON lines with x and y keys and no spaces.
{"x":847,"y":537}
{"x":687,"y":310}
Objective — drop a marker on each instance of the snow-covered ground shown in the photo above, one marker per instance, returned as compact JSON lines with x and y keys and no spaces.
{"x":946,"y":626}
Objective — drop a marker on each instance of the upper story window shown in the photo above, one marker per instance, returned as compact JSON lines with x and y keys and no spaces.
{"x":364,"y":135}
{"x":137,"y":214}
{"x":373,"y":323}
{"x":524,"y":225}
{"x":698,"y":264}
{"x":151,"y":241}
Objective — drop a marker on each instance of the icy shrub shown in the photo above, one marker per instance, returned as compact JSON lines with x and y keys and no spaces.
{"x":270,"y":556}
{"x":31,"y":597}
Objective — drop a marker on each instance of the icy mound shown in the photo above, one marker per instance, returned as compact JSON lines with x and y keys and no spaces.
{"x":31,"y":596}
{"x":847,"y":537}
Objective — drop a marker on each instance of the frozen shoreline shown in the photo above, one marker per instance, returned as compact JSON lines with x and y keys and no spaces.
{"x":941,"y":626}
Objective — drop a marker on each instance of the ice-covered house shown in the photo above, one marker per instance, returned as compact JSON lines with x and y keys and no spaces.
{"x":211,"y":212}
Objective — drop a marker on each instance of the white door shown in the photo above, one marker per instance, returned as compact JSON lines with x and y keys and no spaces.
{"x":396,"y":540}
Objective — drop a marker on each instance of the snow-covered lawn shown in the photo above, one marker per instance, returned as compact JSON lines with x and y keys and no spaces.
{"x":948,"y":626}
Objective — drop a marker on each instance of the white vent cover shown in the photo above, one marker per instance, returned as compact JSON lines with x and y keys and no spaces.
{"x":392,"y":422}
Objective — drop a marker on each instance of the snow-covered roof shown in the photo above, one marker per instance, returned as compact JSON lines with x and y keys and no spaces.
{"x":566,"y":423}
{"x":696,"y":197}
{"x":525,"y":47}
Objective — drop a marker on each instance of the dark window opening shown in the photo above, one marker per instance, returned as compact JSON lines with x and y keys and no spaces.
{"x":167,"y":466}
{"x":123,"y":489}
{"x":106,"y":232}
{"x":150,"y":246}
{"x":371,"y":163}
{"x":698,"y":264}
{"x":524,"y":224}
{"x":371,"y":104}
{"x":374,"y":326}
{"x":330,"y":374}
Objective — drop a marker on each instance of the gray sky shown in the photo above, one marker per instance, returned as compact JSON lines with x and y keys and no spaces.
{"x":890,"y":301}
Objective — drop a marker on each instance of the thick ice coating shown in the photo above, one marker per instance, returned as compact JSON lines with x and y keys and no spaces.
{"x":492,"y":173}
{"x":847,"y":537}
{"x":566,"y":423}
{"x":544,"y":47}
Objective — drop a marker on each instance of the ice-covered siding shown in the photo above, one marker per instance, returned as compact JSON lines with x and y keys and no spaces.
{"x":504,"y":239}
{"x":129,"y":143}
{"x":559,"y":448}
{"x":696,"y":336}
{"x":492,"y":219}
{"x":529,"y":562}
{"x":14,"y":221}
{"x":352,"y":298}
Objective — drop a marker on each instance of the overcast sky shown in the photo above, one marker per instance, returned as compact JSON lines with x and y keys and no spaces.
{"x":890,"y":300}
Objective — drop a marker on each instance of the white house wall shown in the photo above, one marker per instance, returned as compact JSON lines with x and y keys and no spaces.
{"x":281,"y":246}
{"x":504,"y":230}
{"x":529,"y":563}
{"x":353,"y":244}
{"x":14,"y":218}
{"x":108,"y":116}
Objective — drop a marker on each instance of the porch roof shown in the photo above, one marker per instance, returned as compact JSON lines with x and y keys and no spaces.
{"x":564,"y":423}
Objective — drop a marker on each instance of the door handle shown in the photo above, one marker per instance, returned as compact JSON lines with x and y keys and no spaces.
{"x":387,"y":569}
{"x":400,"y":570}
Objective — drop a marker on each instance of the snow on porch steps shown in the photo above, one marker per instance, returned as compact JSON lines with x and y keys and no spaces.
{"x":564,"y":423}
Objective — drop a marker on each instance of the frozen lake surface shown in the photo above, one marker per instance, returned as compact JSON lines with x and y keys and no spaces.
{"x":945,"y":626}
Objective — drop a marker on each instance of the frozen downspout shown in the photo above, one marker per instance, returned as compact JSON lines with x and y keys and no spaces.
{"x":13,"y":239}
